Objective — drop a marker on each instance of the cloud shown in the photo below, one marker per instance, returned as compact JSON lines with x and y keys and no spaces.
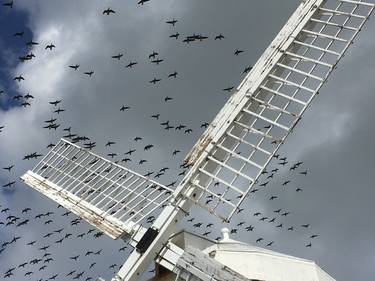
{"x":336,"y":129}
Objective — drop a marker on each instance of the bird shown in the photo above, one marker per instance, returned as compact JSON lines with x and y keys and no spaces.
{"x":59,"y":110}
{"x":172,"y":22}
{"x":118,"y":57}
{"x":131,"y":64}
{"x":141,"y":2}
{"x":50,"y":46}
{"x":75,"y":67}
{"x":8,"y":168}
{"x":285,"y":183}
{"x":175,"y":35}
{"x":249,"y":228}
{"x":108,"y":12}
{"x":55,"y":103}
{"x":74,"y":257}
{"x":155,"y":80}
{"x":130,"y":151}
{"x":19,"y":78}
{"x":27,"y":57}
{"x":157,"y":61}
{"x":89,"y":73}
{"x":148,"y":147}
{"x":237,"y":52}
{"x":228,"y":89}
{"x":247,"y":69}
{"x":28,"y":96}
{"x":174,"y":75}
{"x":123,"y":108}
{"x":109,"y":143}
{"x":8,"y":4}
{"x":20,"y":33}
{"x":26,"y":210}
{"x":179,"y":127}
{"x":153,"y":55}
{"x":9,"y":184}
{"x":219,"y":37}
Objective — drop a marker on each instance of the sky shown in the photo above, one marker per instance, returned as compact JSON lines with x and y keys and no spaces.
{"x":334,"y":140}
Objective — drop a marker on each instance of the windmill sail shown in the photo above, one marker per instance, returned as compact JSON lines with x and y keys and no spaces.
{"x":230,"y":155}
{"x":244,"y":136}
{"x":107,"y":195}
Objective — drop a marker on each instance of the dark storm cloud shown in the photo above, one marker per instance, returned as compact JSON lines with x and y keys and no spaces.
{"x":334,"y":140}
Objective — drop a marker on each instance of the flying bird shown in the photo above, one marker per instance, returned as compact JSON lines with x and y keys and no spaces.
{"x":123,"y":108}
{"x":228,"y":89}
{"x":75,"y":67}
{"x":89,"y":73}
{"x":131,"y":64}
{"x":141,"y":2}
{"x":219,"y":37}
{"x":55,"y":103}
{"x":8,"y":168}
{"x":153,"y":55}
{"x":172,"y":22}
{"x":175,"y":35}
{"x":118,"y":57}
{"x":155,"y":80}
{"x":50,"y":46}
{"x":20,"y":33}
{"x":174,"y":75}
{"x":108,"y":12}
{"x":237,"y":52}
{"x":8,"y":4}
{"x":9,"y":184}
{"x":19,"y":78}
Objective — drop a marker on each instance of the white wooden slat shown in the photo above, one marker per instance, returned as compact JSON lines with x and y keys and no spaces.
{"x":74,"y":179}
{"x":334,"y":12}
{"x":334,"y":24}
{"x":316,"y":48}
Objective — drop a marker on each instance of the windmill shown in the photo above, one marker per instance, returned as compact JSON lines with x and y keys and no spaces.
{"x":234,"y":150}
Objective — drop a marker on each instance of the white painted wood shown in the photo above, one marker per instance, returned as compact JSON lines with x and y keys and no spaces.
{"x":251,"y":84}
{"x":243,"y":103}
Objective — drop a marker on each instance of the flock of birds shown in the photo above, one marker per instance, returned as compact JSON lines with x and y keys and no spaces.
{"x":58,"y":232}
{"x":55,"y":238}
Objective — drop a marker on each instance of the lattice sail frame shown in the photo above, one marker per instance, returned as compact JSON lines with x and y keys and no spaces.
{"x":241,"y":140}
{"x":107,"y":195}
{"x":232,"y":153}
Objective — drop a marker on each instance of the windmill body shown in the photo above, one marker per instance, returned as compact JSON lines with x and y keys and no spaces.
{"x":229,"y":259}
{"x":235,"y":149}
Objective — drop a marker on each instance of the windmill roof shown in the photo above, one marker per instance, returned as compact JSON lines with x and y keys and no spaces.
{"x":226,"y":244}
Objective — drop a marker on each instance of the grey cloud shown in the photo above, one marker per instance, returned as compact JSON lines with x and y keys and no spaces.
{"x":334,"y":140}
